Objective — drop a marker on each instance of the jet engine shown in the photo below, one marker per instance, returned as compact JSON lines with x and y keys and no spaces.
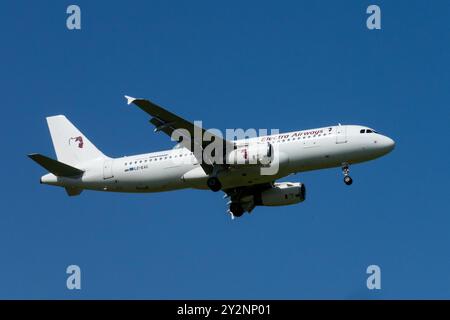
{"x":260,"y":154}
{"x":281,"y":194}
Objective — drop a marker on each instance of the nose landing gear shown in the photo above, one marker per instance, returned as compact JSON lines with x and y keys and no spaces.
{"x":346,"y":170}
{"x":348,"y":180}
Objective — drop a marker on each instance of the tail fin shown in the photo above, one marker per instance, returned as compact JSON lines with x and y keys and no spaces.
{"x":71,"y":146}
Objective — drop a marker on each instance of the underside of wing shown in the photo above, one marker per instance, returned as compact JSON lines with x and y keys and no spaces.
{"x":186,"y":133}
{"x":243,"y":198}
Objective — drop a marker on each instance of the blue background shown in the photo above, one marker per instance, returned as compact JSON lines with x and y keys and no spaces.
{"x":256,"y":64}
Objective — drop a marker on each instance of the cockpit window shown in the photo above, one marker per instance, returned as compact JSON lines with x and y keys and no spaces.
{"x":367,"y":131}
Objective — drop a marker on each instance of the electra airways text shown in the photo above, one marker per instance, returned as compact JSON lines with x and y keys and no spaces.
{"x":246,"y":170}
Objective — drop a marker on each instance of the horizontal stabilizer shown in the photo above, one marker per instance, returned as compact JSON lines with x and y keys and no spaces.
{"x":57,"y":168}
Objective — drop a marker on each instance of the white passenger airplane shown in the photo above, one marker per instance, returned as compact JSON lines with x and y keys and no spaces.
{"x":81,"y":165}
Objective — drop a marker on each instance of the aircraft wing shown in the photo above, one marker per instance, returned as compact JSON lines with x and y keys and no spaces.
{"x":167,"y":122}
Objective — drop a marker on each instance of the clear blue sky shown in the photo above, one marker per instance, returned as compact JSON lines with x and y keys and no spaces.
{"x":248,"y":64}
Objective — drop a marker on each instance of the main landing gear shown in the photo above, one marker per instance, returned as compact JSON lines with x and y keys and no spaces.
{"x":346,"y":170}
{"x":236,"y":209}
{"x":214,"y":184}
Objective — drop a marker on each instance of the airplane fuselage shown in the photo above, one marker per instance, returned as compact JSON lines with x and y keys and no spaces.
{"x":178,"y":168}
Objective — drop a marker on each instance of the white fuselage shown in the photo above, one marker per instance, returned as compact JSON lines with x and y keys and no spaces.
{"x":178,"y":168}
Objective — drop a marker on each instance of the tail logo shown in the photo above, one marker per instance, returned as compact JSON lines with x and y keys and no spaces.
{"x":78,"y":140}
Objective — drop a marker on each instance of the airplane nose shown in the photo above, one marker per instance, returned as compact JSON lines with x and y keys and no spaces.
{"x":388,"y":144}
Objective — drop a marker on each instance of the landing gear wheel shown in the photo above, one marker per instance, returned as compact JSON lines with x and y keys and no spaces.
{"x":348,"y":180}
{"x":214,"y":184}
{"x":236,"y":209}
{"x":346,"y":170}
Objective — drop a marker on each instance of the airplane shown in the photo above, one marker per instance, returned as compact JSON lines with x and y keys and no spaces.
{"x":81,"y":166}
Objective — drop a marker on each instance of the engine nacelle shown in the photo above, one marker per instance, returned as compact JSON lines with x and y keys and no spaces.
{"x":282,"y":194}
{"x":260,"y":154}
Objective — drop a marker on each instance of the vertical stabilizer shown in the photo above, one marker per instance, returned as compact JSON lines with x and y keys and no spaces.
{"x":71,"y":146}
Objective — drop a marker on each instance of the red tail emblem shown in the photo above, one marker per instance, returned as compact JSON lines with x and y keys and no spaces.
{"x":78,"y":140}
